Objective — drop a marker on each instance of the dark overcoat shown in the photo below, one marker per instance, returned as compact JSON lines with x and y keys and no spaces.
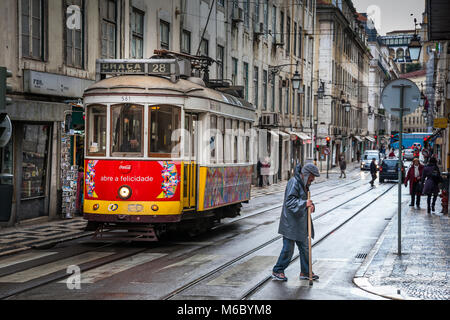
{"x":294,"y":215}
{"x":431,"y":186}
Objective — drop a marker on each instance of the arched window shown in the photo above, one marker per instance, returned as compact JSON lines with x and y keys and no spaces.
{"x":400,"y":53}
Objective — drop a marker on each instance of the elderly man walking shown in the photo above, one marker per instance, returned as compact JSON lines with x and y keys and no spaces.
{"x":294,"y":222}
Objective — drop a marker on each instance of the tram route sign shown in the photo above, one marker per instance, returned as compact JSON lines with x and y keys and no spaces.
{"x":157,"y":67}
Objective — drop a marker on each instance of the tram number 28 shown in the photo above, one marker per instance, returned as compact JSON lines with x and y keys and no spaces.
{"x":159,"y":68}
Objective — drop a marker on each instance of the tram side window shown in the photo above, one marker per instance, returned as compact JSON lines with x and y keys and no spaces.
{"x":96,"y":130}
{"x":227,"y":142}
{"x":213,"y":138}
{"x":220,"y":139}
{"x":247,"y":142}
{"x":164,"y":120}
{"x":127,"y":128}
{"x":235,"y":141}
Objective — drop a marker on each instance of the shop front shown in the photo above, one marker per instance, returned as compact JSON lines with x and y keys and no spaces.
{"x":30,"y":160}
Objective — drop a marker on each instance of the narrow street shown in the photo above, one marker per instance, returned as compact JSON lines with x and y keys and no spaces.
{"x":225,"y":263}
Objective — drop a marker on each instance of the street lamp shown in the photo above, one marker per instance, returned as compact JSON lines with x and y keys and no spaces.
{"x":414,"y":45}
{"x":321,"y":90}
{"x":296,"y":79}
{"x":347,"y":106}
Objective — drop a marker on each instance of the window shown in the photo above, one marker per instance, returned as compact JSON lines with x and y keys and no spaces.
{"x":234,"y":70}
{"x":220,"y":139}
{"x":186,"y":42}
{"x":255,"y":86}
{"x":137,"y":33}
{"x":274,"y":20}
{"x":247,"y":142}
{"x":282,"y":26}
{"x":164,"y":120}
{"x":33,"y":29}
{"x":300,"y":37}
{"x":127,"y":129}
{"x":227,"y":144}
{"x":295,"y":39}
{"x":220,"y":55}
{"x":34,"y":160}
{"x":212,"y":140}
{"x":264,"y":89}
{"x":108,"y":28}
{"x":287,"y":100}
{"x":164,"y":34}
{"x":288,"y":35}
{"x":204,"y":47}
{"x":266,"y":17}
{"x":280,"y":94}
{"x":235,"y":141}
{"x":75,"y":39}
{"x":246,"y":81}
{"x":221,"y":2}
{"x":272,"y":85}
{"x":247,"y":13}
{"x":96,"y":130}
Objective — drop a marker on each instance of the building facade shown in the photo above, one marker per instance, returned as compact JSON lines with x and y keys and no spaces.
{"x":343,"y":72}
{"x":51,"y":47}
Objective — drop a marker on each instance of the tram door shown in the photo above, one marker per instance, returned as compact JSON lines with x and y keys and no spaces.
{"x":190,"y":166}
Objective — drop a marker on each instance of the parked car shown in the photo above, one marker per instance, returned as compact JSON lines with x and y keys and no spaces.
{"x":389,"y":170}
{"x":408,"y":154}
{"x":367,"y":159}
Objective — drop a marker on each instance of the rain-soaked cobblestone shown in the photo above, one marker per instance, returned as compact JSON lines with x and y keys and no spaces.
{"x":423,"y":269}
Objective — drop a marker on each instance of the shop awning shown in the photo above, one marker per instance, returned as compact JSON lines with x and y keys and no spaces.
{"x":370,"y":139}
{"x":358,"y":138}
{"x":301,"y":135}
{"x":283,"y":135}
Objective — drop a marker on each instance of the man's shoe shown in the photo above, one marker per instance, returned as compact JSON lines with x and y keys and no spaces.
{"x":279,"y":276}
{"x":411,"y":204}
{"x":303,"y":277}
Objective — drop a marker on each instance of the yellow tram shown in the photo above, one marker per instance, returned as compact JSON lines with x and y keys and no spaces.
{"x":162,"y":151}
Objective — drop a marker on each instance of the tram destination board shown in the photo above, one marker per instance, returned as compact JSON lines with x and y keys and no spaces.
{"x":120,"y":67}
{"x":161,"y":67}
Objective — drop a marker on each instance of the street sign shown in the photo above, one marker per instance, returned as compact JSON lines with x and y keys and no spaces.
{"x":391,"y":97}
{"x":5,"y":131}
{"x":440,"y":123}
{"x":326,"y":151}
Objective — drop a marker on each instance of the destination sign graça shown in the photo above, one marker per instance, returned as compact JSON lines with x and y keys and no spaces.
{"x":119,"y":67}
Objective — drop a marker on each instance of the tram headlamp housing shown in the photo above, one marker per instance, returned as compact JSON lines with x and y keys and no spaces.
{"x":125,"y":192}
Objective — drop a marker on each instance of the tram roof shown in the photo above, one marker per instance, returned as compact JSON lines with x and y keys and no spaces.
{"x":149,"y":84}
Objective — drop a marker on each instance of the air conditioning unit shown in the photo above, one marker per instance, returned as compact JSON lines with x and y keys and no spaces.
{"x":258,"y":29}
{"x":238,"y":15}
{"x":269,"y":119}
{"x":278,"y":40}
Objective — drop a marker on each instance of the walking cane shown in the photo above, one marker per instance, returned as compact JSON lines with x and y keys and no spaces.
{"x":309,"y":242}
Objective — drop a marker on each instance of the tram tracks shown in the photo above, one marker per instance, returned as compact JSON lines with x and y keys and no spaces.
{"x":261,"y":283}
{"x":127,"y":252}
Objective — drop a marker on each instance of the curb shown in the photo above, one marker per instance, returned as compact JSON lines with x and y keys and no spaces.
{"x":361,"y":281}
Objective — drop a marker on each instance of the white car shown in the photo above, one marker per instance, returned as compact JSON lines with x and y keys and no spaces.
{"x":367,"y":159}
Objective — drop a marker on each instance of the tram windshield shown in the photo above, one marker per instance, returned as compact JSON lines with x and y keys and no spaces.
{"x":164,"y":120}
{"x":127,"y":128}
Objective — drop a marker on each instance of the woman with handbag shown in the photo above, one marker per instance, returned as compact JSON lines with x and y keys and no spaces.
{"x":431,"y":177}
{"x":414,"y":177}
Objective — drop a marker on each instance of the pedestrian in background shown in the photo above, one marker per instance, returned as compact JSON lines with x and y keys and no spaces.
{"x":358,"y":155}
{"x":431,"y":177}
{"x":343,"y":166}
{"x":294,"y":222}
{"x":258,"y":173}
{"x":414,"y":177}
{"x":373,"y":171}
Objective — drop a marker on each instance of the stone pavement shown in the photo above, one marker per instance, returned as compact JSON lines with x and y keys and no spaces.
{"x":39,"y":235}
{"x":423,"y":269}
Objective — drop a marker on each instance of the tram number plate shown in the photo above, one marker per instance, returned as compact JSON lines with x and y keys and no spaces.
{"x":159,"y":68}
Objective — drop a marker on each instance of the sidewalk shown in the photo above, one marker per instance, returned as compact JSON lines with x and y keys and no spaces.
{"x":40,"y":235}
{"x":423,"y":269}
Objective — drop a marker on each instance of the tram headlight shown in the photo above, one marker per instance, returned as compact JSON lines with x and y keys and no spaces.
{"x":124,"y":192}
